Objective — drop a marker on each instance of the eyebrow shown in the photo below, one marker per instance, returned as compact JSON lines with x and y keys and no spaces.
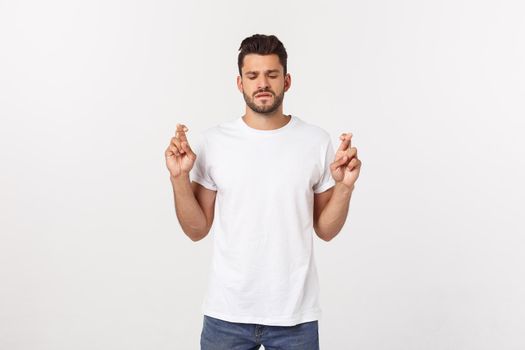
{"x":268,"y":71}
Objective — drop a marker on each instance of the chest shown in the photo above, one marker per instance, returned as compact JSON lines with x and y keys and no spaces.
{"x":265,"y":164}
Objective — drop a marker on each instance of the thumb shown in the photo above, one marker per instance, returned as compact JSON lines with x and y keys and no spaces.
{"x":186,"y":147}
{"x":336,"y":164}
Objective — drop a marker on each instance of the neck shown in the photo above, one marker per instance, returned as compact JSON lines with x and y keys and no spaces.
{"x":270,"y":121}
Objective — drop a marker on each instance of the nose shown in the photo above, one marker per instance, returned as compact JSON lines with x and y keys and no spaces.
{"x":262,"y":82}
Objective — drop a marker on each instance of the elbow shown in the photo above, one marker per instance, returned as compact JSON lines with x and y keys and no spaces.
{"x":196,"y":238}
{"x":197,"y":235}
{"x":325,"y":236}
{"x":328,"y":239}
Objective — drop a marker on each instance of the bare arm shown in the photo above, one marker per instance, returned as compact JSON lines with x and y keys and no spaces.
{"x":194,"y":206}
{"x":331,"y":211}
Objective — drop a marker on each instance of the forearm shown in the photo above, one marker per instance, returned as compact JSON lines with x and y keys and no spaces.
{"x":333,"y":217}
{"x":189,"y":212}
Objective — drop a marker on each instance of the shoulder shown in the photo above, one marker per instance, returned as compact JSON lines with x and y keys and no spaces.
{"x":314,"y":132}
{"x":219,"y":131}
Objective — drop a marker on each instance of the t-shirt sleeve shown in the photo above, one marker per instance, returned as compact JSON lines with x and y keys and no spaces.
{"x":326,"y":181}
{"x":200,"y":172}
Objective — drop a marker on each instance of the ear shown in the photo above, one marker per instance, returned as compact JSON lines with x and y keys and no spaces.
{"x":239,"y":83}
{"x":287,"y":81}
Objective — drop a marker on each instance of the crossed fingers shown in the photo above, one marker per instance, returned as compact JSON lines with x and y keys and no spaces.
{"x":346,"y":154}
{"x":179,"y":143}
{"x":346,"y":141}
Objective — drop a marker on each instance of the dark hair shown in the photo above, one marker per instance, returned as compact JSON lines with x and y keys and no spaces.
{"x":261,"y":44}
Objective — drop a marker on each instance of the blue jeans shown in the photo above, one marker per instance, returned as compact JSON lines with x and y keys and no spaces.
{"x":223,"y":335}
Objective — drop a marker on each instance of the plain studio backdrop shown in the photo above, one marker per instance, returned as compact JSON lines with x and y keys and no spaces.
{"x":432,"y":254}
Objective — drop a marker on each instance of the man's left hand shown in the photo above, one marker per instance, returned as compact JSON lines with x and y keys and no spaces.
{"x":346,"y":166}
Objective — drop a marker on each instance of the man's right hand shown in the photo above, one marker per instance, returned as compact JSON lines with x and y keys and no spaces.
{"x":179,"y":156}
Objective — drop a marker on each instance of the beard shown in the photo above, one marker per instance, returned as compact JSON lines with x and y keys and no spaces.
{"x":265,"y":108}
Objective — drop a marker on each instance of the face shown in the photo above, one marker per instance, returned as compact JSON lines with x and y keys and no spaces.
{"x":263,"y":83}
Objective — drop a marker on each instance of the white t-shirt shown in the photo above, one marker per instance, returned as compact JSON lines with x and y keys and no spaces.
{"x":263,"y":269}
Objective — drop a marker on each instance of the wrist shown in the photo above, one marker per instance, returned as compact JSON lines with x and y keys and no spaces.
{"x":341,"y":187}
{"x":183,"y":177}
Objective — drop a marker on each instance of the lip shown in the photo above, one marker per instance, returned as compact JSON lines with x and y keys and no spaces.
{"x":264,"y":94}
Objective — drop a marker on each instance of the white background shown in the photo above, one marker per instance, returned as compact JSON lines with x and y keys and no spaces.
{"x":432,"y":254}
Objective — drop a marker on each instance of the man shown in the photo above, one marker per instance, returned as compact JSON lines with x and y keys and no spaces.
{"x":275,"y":178}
